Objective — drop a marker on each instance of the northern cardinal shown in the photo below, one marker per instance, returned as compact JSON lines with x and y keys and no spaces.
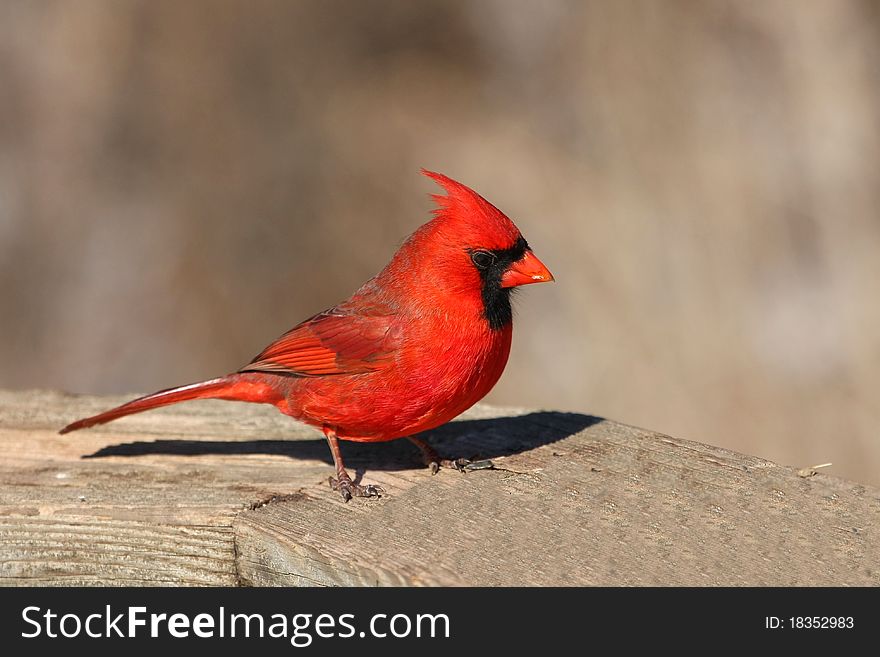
{"x":414,"y":347}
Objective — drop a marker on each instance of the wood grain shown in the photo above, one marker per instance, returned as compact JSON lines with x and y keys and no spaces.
{"x":214,"y":493}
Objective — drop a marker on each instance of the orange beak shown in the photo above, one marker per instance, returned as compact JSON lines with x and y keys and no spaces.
{"x":527,"y":269}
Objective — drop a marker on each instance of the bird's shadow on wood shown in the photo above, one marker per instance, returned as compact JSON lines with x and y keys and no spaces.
{"x":470,"y":439}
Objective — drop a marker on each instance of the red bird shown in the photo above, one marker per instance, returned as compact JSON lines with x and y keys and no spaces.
{"x":413,"y":348}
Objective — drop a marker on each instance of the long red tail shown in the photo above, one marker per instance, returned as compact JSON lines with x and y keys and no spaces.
{"x":235,"y":387}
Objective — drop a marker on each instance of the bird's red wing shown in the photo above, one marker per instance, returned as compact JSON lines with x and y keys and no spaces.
{"x":332,"y":342}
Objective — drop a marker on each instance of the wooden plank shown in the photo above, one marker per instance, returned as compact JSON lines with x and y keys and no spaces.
{"x":146,"y":500}
{"x":576,"y":502}
{"x":213,"y":493}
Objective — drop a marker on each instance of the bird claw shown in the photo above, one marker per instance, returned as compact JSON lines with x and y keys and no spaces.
{"x":461,"y":465}
{"x":432,"y":459}
{"x":470,"y":466}
{"x":456,"y":464}
{"x":436,"y":463}
{"x":349,"y":489}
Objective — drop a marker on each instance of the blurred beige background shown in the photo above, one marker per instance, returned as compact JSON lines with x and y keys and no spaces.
{"x":180,"y":182}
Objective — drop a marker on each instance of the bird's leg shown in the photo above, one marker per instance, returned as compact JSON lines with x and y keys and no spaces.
{"x":432,"y":459}
{"x":342,"y":482}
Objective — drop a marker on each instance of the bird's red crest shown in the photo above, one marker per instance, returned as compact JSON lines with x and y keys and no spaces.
{"x":473,"y":216}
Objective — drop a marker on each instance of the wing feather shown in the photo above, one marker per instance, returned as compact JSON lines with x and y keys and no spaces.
{"x":332,"y":342}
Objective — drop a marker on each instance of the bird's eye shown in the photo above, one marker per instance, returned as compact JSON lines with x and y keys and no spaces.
{"x":482,"y":259}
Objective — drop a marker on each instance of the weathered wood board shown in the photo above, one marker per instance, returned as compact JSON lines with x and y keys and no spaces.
{"x":215,"y":493}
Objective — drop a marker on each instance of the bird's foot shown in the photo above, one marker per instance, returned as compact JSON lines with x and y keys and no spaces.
{"x":432,"y":459}
{"x":343,"y":483}
{"x":462,"y":465}
{"x":453,"y":464}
